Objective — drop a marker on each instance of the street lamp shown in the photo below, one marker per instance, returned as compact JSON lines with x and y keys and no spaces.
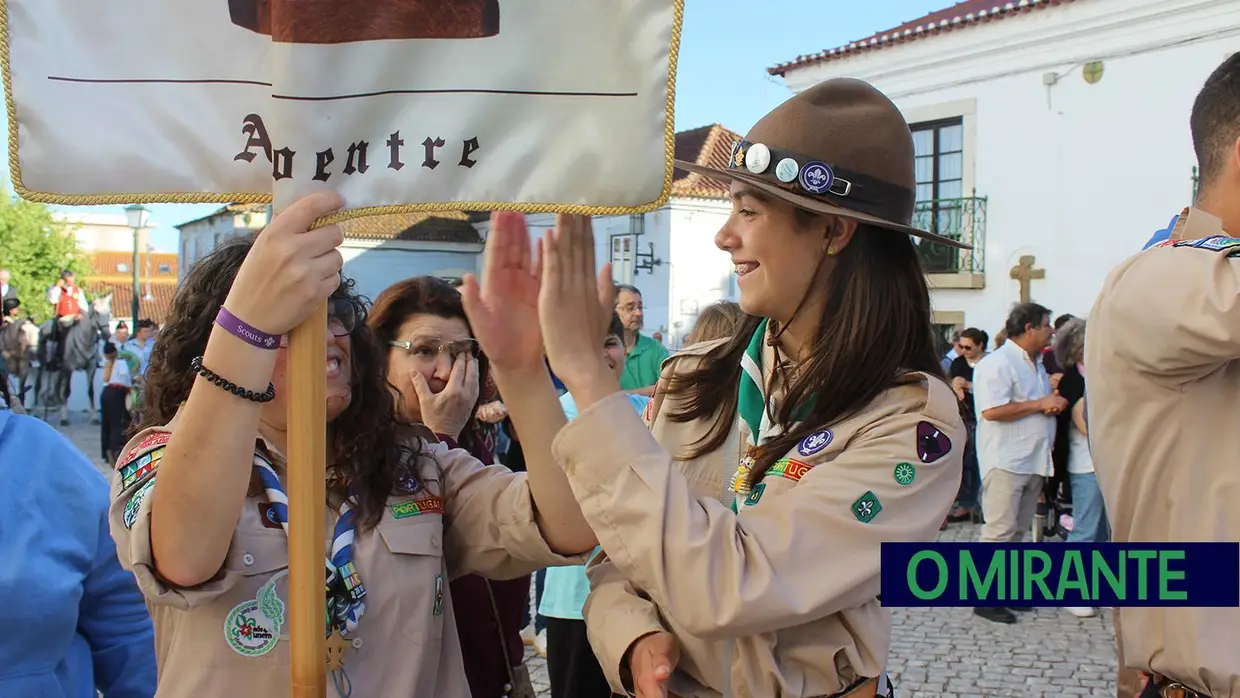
{"x":136,"y":215}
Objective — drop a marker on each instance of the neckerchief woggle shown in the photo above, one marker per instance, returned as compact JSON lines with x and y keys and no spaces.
{"x":755,"y":408}
{"x":345,"y":592}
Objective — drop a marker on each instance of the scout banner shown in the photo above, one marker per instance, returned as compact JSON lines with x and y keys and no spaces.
{"x":409,"y":105}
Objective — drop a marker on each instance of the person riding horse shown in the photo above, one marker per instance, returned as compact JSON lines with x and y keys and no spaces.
{"x":70,"y":303}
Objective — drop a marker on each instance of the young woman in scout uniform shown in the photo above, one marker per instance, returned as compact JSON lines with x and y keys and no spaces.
{"x":827,"y":411}
{"x":199,"y":510}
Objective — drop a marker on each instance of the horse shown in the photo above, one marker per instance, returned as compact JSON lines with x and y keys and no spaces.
{"x":81,"y":353}
{"x":19,"y":342}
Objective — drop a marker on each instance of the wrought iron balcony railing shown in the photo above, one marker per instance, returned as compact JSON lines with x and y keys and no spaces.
{"x":962,"y":219}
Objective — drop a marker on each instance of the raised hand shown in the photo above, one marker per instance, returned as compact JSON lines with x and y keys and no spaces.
{"x":575,"y":301}
{"x":291,"y":269}
{"x":503,"y":312}
{"x":448,"y":411}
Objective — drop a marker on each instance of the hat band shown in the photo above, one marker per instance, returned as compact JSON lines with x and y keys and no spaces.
{"x":814,"y":178}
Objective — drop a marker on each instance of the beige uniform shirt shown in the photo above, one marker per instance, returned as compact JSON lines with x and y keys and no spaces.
{"x":1164,"y":400}
{"x":780,"y":599}
{"x":467,"y":518}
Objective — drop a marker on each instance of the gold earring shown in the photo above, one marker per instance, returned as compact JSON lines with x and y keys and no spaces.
{"x":831,"y":251}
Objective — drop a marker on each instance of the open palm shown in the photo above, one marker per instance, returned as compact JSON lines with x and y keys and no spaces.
{"x":503,"y":309}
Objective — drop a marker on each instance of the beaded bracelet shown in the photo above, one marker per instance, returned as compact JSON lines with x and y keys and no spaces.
{"x":229,"y":386}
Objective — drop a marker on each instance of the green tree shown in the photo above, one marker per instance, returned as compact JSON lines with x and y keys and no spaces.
{"x":36,"y":247}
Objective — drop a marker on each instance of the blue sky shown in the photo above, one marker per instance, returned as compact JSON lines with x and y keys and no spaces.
{"x":725,"y":49}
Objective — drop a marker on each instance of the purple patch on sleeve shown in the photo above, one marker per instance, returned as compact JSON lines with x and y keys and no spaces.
{"x":932,"y":444}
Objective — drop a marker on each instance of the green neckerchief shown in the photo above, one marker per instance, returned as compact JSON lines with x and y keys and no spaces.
{"x":752,"y":402}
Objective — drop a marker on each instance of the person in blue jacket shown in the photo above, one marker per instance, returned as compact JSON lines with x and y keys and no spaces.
{"x":75,"y":623}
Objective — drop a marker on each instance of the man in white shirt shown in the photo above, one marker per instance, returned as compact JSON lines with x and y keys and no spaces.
{"x":1016,"y":410}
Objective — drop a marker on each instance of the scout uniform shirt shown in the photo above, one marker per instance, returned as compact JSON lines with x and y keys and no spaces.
{"x":780,"y":599}
{"x":228,"y":636}
{"x":1164,"y":397}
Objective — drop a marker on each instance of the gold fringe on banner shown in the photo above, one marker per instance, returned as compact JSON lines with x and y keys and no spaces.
{"x":669,"y":149}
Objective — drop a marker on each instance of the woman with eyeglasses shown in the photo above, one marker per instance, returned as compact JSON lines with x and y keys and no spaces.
{"x":438,"y":375}
{"x":199,"y":504}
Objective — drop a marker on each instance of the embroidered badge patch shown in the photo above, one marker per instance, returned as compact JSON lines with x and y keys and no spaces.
{"x":268,"y":515}
{"x":149,"y":442}
{"x":866,"y":507}
{"x":438,"y":609}
{"x":135,"y":471}
{"x":416,"y":507}
{"x":649,"y":412}
{"x":905,"y":473}
{"x":755,"y":494}
{"x":932,"y":444}
{"x":789,"y":469}
{"x":815,"y":442}
{"x":1217,"y":243}
{"x":135,"y":503}
{"x":252,"y":627}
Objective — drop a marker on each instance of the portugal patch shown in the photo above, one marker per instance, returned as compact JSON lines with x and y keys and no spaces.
{"x":147,"y":443}
{"x":416,"y":507}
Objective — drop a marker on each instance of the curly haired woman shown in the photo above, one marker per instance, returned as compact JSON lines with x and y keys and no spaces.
{"x":208,"y":545}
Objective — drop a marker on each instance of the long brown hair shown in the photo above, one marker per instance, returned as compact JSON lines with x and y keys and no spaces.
{"x":427,"y":295}
{"x":367,"y":457}
{"x":716,"y":321}
{"x":875,"y":328}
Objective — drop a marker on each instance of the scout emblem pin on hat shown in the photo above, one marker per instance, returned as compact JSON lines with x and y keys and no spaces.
{"x":840,"y":148}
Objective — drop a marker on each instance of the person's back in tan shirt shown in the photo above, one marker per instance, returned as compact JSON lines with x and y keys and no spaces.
{"x":1162,"y":346}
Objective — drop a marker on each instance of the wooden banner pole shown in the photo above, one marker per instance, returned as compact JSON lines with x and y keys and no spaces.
{"x":307,"y":497}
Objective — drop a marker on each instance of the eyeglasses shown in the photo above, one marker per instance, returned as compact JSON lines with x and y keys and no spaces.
{"x":431,"y":348}
{"x":342,"y":316}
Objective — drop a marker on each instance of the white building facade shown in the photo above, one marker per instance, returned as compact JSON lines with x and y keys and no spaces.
{"x":669,"y":254}
{"x":1055,"y":129}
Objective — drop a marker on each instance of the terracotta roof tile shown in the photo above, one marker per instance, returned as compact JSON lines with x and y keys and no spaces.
{"x":708,"y":146}
{"x":156,"y":309}
{"x":962,"y":15}
{"x":106,"y":266}
{"x":448,"y":226}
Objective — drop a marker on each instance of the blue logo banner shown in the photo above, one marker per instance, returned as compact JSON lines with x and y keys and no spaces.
{"x":1061,"y":574}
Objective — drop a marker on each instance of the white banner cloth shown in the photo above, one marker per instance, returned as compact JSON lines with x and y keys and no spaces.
{"x":535,"y":105}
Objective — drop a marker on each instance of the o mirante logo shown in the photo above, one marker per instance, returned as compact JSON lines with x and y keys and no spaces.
{"x":1061,"y":574}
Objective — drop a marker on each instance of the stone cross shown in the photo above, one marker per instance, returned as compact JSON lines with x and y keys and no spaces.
{"x":1025,"y":273}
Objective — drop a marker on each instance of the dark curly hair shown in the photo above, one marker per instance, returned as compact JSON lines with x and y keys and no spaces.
{"x":427,"y":295}
{"x":369,"y":454}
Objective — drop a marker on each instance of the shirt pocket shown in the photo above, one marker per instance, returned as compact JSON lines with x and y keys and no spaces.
{"x":415,"y":593}
{"x":255,"y":560}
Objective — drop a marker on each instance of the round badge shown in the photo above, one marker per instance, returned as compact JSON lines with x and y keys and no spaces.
{"x":905,"y":473}
{"x":816,"y":177}
{"x":252,"y":628}
{"x":787,"y":169}
{"x":758,"y":158}
{"x":815,"y":442}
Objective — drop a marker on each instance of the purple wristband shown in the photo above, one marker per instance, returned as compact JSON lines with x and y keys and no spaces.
{"x":247,"y":333}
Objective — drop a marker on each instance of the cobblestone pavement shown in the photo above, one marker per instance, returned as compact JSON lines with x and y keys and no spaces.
{"x":938,"y":652}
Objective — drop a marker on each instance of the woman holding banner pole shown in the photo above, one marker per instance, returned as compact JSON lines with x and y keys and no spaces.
{"x":199,"y":509}
{"x":741,"y":531}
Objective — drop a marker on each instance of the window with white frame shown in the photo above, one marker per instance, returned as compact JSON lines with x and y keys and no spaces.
{"x":622,"y":248}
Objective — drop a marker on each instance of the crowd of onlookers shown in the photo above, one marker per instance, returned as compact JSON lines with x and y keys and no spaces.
{"x":1027,"y":466}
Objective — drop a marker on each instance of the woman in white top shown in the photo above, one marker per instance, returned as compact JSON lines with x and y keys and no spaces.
{"x":1088,"y":512}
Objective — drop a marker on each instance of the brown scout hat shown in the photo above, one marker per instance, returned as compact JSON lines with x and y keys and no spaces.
{"x":839,"y":148}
